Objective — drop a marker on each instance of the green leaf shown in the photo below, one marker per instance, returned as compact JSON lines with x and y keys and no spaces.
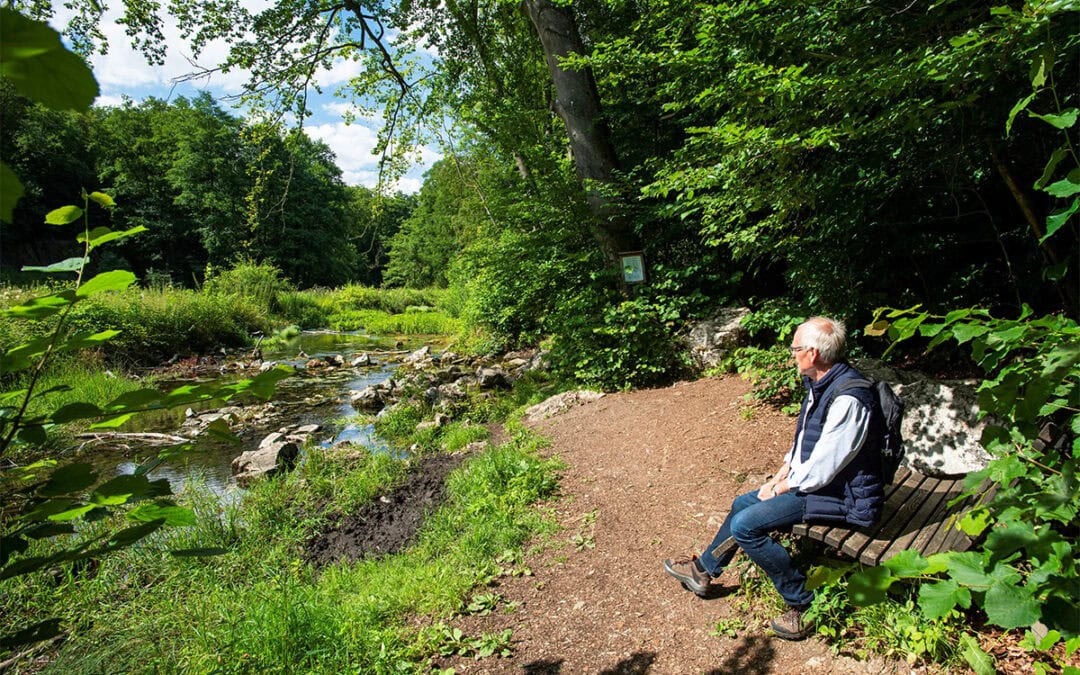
{"x":113,"y":422}
{"x":75,"y":411}
{"x":1048,"y":172}
{"x":34,"y":59}
{"x":937,"y":600}
{"x":1016,"y":109}
{"x":1041,"y":67}
{"x":220,"y":430}
{"x":1055,"y":220}
{"x":1049,"y":640}
{"x":71,"y":513}
{"x":1064,"y":120}
{"x":27,"y":565}
{"x":69,"y":265}
{"x":102,"y":199}
{"x":130,"y":535}
{"x":128,"y":487}
{"x":42,"y":306}
{"x":981,"y":662}
{"x":68,"y":479}
{"x":116,"y":280}
{"x":1066,"y":187}
{"x":11,"y":545}
{"x":100,"y":235}
{"x":21,"y":356}
{"x":869,"y":586}
{"x":967,"y":568}
{"x":63,"y":215}
{"x":33,"y":434}
{"x":824,"y":575}
{"x":43,"y":630}
{"x":170,"y":515}
{"x":1014,"y":536}
{"x":909,"y":563}
{"x":963,"y":332}
{"x":1011,"y":606}
{"x":84,"y":340}
{"x":140,"y":398}
{"x":11,"y":191}
{"x":48,"y":530}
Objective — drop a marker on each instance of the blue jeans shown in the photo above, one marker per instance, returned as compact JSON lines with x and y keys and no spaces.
{"x":749,"y":523}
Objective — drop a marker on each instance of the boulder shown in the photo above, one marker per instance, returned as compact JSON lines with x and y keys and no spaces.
{"x":492,"y":378}
{"x":362,"y":360}
{"x":422,"y":354}
{"x":942,"y":428}
{"x":710,"y":340}
{"x":335,"y":360}
{"x":560,"y":403}
{"x":275,"y":453}
{"x":369,"y":399}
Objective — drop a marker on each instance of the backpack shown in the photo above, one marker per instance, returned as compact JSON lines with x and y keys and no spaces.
{"x":891,"y":409}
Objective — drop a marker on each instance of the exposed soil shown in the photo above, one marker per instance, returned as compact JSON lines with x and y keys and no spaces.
{"x":650,"y":475}
{"x":389,"y":523}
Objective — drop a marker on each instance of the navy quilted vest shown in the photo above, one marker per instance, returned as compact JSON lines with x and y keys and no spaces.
{"x":856,"y":494}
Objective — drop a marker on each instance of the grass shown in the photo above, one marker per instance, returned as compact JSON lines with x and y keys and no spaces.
{"x":382,"y":323}
{"x":259,"y":607}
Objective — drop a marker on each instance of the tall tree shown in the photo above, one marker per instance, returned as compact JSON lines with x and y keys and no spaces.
{"x":285,"y":45}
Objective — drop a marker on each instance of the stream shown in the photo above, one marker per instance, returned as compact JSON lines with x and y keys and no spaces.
{"x":307,"y":397}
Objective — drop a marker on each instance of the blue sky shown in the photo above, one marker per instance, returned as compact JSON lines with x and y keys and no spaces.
{"x":125,"y":72}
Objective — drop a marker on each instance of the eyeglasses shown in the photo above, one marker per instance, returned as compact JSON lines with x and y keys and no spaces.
{"x":798,"y":349}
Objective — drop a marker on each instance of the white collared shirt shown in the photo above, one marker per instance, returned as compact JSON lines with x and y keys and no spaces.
{"x":842,"y":436}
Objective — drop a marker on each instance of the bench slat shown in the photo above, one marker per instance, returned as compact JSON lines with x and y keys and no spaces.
{"x":934,"y":520}
{"x":929,"y":536}
{"x":902,"y":508}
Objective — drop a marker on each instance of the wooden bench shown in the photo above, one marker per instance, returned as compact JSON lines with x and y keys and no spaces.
{"x":916,"y":515}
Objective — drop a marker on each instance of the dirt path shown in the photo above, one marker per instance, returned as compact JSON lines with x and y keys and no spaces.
{"x":650,"y":475}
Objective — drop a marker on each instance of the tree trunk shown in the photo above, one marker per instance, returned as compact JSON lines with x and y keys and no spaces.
{"x":577,"y":103}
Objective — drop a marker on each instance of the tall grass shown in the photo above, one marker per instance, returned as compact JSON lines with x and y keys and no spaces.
{"x":409,"y":323}
{"x":156,"y":324}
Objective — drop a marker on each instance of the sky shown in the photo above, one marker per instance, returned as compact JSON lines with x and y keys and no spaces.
{"x":124,"y":72}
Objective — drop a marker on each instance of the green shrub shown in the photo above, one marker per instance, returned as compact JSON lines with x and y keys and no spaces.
{"x":259,"y":283}
{"x":307,"y":309}
{"x":600,"y":341}
{"x":767,"y":364}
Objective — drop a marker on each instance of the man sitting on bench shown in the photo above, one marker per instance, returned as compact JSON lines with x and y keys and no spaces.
{"x":832,"y":474}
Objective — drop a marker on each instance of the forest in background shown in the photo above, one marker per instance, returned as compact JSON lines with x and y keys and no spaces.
{"x":812,"y":157}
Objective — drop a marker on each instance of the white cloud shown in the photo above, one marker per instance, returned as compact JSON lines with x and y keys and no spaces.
{"x":341,"y":72}
{"x":408,"y":185}
{"x":109,"y":101}
{"x":351,"y":143}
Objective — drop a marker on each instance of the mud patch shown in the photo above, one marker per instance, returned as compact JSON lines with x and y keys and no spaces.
{"x":388,"y":523}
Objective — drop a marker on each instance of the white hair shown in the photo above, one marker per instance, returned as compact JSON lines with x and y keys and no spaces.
{"x":825,"y":335}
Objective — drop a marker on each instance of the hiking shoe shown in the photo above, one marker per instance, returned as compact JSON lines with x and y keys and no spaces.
{"x":690,"y":573}
{"x":792,"y":625}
